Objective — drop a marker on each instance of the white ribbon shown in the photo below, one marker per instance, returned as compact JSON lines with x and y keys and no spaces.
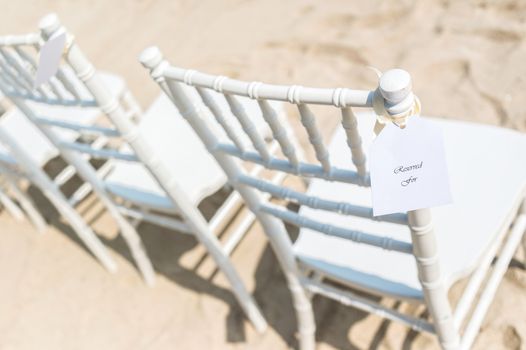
{"x":396,"y":113}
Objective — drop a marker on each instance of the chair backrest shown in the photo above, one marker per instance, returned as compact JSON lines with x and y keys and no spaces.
{"x":18,"y":66}
{"x":176,"y":82}
{"x":391,"y":101}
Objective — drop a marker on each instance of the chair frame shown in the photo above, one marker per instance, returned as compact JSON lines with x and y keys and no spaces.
{"x":124,"y":128}
{"x":393,"y":100}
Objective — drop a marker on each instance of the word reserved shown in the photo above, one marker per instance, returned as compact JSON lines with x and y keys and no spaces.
{"x":408,"y":168}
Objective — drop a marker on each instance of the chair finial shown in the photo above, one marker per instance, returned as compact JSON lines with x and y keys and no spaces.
{"x":49,"y":24}
{"x":395,"y":85}
{"x":151,"y":57}
{"x":394,"y":100}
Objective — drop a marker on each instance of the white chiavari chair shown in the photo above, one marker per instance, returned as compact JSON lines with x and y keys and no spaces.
{"x":340,"y":243}
{"x":161,"y":172}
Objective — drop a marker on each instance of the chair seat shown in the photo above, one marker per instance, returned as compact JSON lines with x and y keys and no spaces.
{"x":487,"y":175}
{"x":33,"y":141}
{"x":176,"y":143}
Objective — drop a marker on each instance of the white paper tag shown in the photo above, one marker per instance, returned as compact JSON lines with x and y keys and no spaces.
{"x":49,"y":60}
{"x":408,"y":168}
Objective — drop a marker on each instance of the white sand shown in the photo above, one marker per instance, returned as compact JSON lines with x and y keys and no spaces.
{"x":467,"y":62}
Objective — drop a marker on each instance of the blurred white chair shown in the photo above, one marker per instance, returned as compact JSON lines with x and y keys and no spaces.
{"x":340,"y":243}
{"x":67,"y":106}
{"x":160,"y":173}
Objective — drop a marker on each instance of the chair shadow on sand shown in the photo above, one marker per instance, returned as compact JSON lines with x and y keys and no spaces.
{"x":165,"y":248}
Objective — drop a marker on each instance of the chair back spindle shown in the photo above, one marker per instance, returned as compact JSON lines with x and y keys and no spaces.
{"x":309,"y":122}
{"x":279,"y":133}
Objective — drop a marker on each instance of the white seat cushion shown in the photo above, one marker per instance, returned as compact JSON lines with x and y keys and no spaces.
{"x":487,"y":175}
{"x":181,"y":150}
{"x":33,"y":141}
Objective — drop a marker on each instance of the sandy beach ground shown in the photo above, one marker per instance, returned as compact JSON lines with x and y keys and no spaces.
{"x":467,"y":60}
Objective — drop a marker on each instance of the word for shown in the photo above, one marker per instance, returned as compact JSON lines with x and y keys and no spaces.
{"x":408,"y":181}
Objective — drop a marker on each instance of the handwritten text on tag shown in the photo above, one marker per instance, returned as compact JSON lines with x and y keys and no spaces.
{"x":408,"y":168}
{"x":49,"y":60}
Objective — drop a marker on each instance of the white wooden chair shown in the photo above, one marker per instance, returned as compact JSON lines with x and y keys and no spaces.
{"x":153,"y":176}
{"x":340,"y":243}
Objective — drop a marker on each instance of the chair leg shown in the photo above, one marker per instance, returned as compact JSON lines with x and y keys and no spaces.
{"x":435,"y":294}
{"x":244,"y":298}
{"x":134,"y":242}
{"x":38,"y":177}
{"x":29,"y":207}
{"x":128,"y":232}
{"x":11,"y":207}
{"x":83,"y":231}
{"x":301,"y":300}
{"x":127,"y":229}
{"x":304,"y":314}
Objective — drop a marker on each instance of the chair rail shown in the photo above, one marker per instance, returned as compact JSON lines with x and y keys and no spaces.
{"x":331,"y":230}
{"x":293,"y":94}
{"x":318,"y":203}
{"x":303,"y":169}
